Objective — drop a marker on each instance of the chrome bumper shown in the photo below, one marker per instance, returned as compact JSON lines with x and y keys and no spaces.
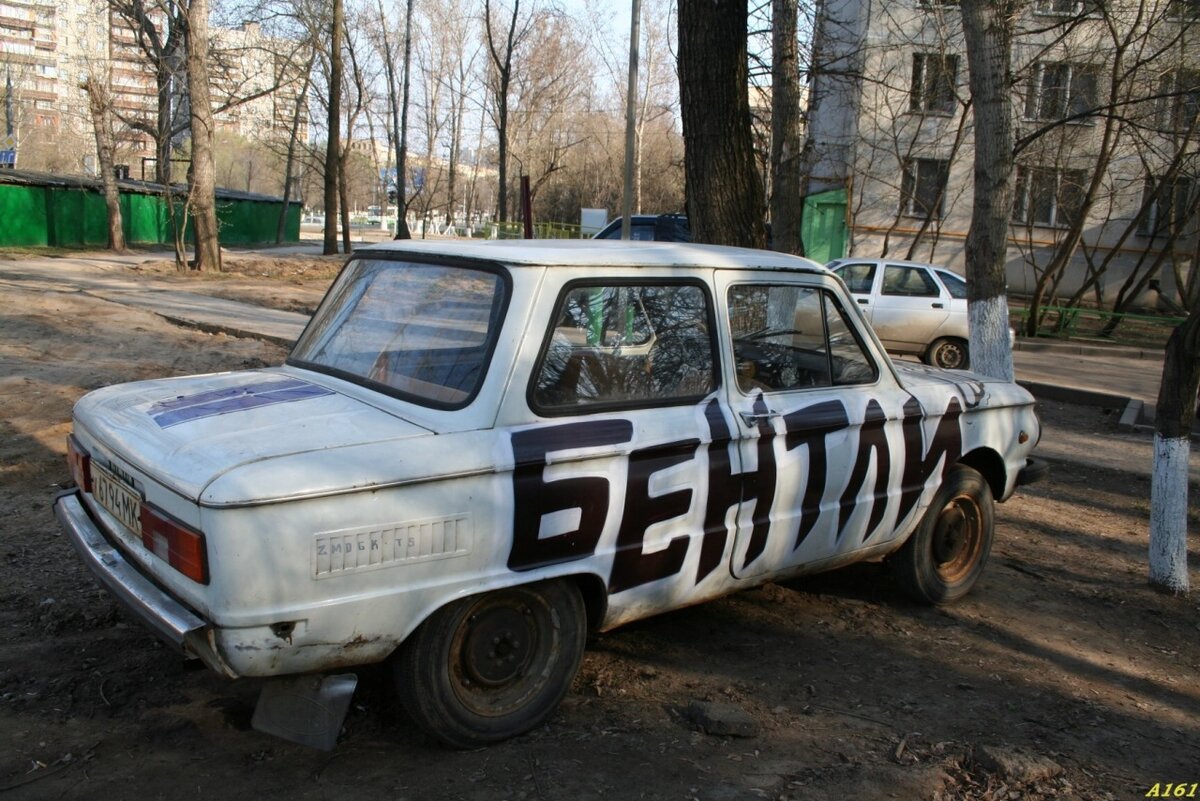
{"x":174,"y":623}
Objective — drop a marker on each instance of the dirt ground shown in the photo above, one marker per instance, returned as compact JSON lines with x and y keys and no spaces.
{"x":1063,"y":675}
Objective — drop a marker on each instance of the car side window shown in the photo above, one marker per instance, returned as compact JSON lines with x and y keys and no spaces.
{"x":913,"y":282}
{"x":624,"y":346}
{"x":793,"y":337}
{"x":956,"y":286}
{"x":858,"y":277}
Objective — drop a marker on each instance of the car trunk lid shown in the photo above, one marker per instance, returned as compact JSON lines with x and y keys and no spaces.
{"x":187,"y":432}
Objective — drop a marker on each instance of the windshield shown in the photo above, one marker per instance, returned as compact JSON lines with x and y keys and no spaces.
{"x":424,"y":332}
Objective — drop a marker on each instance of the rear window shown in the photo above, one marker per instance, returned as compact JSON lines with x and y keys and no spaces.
{"x":423,"y":332}
{"x":956,"y":286}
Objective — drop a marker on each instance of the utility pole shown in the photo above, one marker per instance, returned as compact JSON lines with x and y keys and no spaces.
{"x":630,"y":120}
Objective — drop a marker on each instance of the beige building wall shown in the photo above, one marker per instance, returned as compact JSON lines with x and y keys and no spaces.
{"x":902,"y":92}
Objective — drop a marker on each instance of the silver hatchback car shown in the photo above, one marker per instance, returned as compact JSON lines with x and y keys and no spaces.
{"x":915,"y":309}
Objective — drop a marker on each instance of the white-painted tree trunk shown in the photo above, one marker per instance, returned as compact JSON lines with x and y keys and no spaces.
{"x":1168,"y":514}
{"x":991,"y":352}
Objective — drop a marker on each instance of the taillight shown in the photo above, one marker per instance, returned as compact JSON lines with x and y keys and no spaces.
{"x":179,"y":546}
{"x":79,"y":461}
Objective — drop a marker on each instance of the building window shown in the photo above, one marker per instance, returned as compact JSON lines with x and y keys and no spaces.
{"x":1058,"y":90}
{"x":1179,"y":100}
{"x":923,"y":188}
{"x":1184,"y":9}
{"x":1048,"y":196}
{"x":1172,"y":205}
{"x":1065,"y":8}
{"x":933,"y":79}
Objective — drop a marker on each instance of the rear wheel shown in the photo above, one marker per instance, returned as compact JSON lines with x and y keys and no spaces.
{"x":945,"y":556}
{"x":949,"y":353}
{"x":492,"y":666}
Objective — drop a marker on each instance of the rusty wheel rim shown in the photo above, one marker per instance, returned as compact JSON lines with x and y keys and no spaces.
{"x":958,"y":539}
{"x":501,"y":653}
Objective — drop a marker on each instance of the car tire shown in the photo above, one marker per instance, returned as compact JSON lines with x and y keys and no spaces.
{"x":489,"y":667}
{"x":946,"y":554}
{"x":949,"y":353}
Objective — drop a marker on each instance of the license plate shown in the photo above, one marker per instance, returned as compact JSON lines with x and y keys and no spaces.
{"x":121,"y":500}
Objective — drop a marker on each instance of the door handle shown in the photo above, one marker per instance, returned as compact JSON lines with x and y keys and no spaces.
{"x":939,"y":306}
{"x":752,"y":419}
{"x":863,"y":301}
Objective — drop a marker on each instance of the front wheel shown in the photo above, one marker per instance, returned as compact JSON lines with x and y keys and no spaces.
{"x":492,"y":666}
{"x":949,"y":354}
{"x":945,"y":556}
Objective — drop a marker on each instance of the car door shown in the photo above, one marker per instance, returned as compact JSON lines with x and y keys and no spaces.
{"x":614,"y":475}
{"x":909,"y":307}
{"x":814,"y":410}
{"x":860,"y":280}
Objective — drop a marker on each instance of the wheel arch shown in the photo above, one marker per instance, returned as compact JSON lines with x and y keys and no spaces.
{"x":944,"y":336}
{"x":595,"y":597}
{"x":989,"y":464}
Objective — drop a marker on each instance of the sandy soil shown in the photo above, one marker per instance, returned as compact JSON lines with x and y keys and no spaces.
{"x":1062,"y":676}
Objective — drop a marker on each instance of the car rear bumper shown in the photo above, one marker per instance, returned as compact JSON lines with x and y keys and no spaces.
{"x":173,"y":622}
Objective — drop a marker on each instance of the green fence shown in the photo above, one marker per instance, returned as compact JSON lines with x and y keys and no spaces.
{"x":541,"y":230}
{"x":48,"y":215}
{"x":1073,"y":322}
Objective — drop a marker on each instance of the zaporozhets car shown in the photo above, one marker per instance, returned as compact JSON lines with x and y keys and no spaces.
{"x":477,"y":452}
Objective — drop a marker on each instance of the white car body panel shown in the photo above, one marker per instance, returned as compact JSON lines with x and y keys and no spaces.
{"x":337,"y":518}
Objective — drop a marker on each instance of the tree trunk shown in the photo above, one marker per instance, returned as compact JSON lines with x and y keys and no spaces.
{"x":203,"y":177}
{"x":988,"y":30}
{"x":502,"y":62}
{"x":100,"y":105}
{"x":721,"y":182}
{"x":332,"y":158}
{"x":402,"y":231}
{"x":290,"y":163}
{"x":1172,"y":444}
{"x":786,"y":200}
{"x":343,"y":187}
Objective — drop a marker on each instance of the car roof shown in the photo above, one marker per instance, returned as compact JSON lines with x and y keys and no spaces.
{"x":586,"y":253}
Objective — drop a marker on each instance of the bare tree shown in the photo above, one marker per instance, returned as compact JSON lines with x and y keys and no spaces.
{"x":786,"y":200}
{"x":1172,"y":445}
{"x":333,"y":132}
{"x":100,"y":105}
{"x":293,"y":137}
{"x":202,"y":196}
{"x":988,"y":28}
{"x":543,"y":95}
{"x":657,"y":91}
{"x":724,"y":190}
{"x":505,"y":33}
{"x":399,"y":84}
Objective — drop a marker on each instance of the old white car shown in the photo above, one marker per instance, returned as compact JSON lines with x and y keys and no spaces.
{"x":476,"y":452}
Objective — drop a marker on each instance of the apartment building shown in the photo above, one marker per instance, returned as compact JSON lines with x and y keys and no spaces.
{"x":47,"y":51}
{"x":1105,"y":100}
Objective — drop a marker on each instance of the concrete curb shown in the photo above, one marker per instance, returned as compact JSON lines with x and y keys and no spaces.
{"x":227,"y":330}
{"x":1137,"y":417}
{"x":1083,"y":397}
{"x":1087,"y":349}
